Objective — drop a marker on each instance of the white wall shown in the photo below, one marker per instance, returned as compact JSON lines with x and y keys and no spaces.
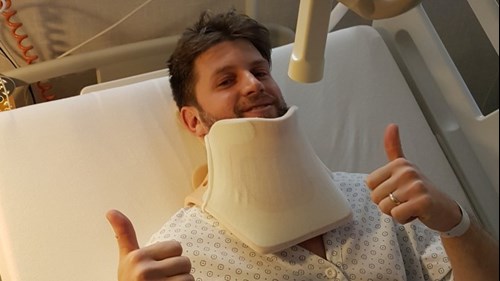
{"x":55,"y":26}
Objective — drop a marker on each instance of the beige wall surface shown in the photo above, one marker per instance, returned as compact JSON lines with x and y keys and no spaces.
{"x":55,"y":26}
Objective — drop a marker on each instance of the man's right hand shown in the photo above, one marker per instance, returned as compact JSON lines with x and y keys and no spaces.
{"x":160,"y":261}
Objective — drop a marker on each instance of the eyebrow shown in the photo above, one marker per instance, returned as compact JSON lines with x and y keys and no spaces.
{"x":257,"y":62}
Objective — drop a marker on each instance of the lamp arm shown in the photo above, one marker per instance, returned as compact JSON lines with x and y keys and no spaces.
{"x":307,"y":60}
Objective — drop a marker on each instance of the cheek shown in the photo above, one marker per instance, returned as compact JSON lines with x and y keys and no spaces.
{"x":220,"y":105}
{"x":276,"y":91}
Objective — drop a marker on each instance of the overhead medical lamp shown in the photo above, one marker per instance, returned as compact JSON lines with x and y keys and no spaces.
{"x":308,"y":54}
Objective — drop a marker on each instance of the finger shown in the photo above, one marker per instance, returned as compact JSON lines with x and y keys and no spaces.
{"x":174,"y":266}
{"x":406,"y":212}
{"x":392,"y":142}
{"x":377,"y":177}
{"x":386,"y":204}
{"x":163,"y":250}
{"x":392,"y":147}
{"x":381,"y":190}
{"x":124,"y":232}
{"x":184,"y":277}
{"x":167,"y":268}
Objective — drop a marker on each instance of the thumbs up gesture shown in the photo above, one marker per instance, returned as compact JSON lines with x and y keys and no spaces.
{"x":160,"y":261}
{"x":403,"y":192}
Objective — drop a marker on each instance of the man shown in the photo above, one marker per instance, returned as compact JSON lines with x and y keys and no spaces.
{"x":221,"y":70}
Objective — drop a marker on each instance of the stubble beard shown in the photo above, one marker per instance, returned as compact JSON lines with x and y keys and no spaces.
{"x":208,"y":120}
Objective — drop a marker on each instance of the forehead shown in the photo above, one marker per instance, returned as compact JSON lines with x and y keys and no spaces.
{"x":226,"y":54}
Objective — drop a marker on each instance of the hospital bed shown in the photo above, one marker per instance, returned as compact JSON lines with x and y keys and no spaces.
{"x":119,"y":144}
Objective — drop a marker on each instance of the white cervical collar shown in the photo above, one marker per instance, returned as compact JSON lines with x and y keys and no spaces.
{"x":267,"y":186}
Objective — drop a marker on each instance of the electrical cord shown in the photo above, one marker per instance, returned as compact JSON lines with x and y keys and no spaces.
{"x":26,"y":49}
{"x":4,"y":6}
{"x":105,"y":30}
{"x":14,"y":27}
{"x":14,"y":30}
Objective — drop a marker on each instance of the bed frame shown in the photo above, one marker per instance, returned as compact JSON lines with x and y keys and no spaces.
{"x":468,"y":139}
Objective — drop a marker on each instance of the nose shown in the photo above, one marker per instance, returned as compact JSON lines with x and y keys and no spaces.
{"x":251,"y":84}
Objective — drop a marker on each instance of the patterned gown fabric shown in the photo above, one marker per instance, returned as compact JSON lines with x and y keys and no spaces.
{"x":370,"y":247}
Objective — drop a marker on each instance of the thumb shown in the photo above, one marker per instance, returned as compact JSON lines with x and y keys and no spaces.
{"x":392,"y":142}
{"x":124,"y":232}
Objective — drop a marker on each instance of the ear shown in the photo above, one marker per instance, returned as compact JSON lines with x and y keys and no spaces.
{"x":190,"y":117}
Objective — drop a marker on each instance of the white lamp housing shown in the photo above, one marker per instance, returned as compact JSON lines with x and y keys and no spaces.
{"x":307,"y":60}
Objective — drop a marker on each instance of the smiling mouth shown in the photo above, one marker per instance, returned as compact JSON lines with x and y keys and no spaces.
{"x":259,"y":107}
{"x":263,"y":111}
{"x":263,"y":105}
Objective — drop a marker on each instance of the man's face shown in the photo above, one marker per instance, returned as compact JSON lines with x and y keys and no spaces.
{"x":233,"y":80}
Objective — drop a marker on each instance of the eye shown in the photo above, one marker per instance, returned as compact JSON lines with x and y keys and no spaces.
{"x":225,"y":81}
{"x":260,"y":73}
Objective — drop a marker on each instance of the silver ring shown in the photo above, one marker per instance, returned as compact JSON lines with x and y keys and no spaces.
{"x":394,"y":199}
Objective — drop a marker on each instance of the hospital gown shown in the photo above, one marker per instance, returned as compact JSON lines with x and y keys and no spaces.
{"x":372,"y":246}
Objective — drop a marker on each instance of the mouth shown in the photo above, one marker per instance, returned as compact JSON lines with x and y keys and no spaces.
{"x":259,"y":107}
{"x":265,"y":110}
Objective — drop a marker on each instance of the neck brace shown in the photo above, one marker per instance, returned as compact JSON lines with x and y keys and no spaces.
{"x":267,"y":186}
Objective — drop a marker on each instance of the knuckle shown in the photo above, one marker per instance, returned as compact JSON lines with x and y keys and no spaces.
{"x":418,"y":187}
{"x":401,"y":161}
{"x":136,"y":257}
{"x":140,"y":272}
{"x":386,"y":210}
{"x":369,"y":182}
{"x":409,"y":170}
{"x":375,"y":198}
{"x":426,"y":202}
{"x":396,"y":216}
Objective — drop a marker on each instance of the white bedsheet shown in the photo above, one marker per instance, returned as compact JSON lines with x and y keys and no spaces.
{"x":65,"y":163}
